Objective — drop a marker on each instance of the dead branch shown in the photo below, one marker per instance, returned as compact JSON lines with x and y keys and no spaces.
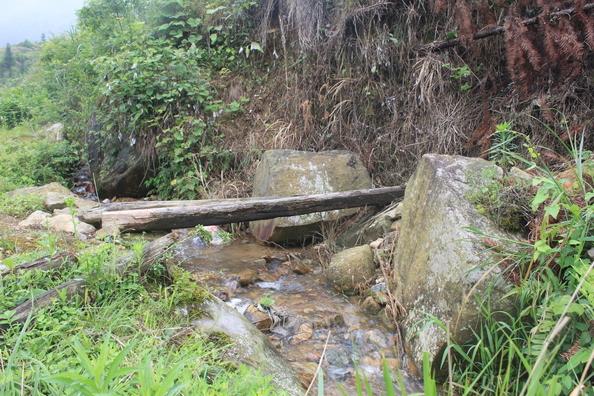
{"x":441,"y":45}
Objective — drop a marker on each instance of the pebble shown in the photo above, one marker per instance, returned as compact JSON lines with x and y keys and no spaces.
{"x":304,"y":333}
{"x":302,"y":267}
{"x":247,"y":277}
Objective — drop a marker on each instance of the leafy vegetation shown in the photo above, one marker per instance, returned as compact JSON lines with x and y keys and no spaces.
{"x":28,"y":158}
{"x":122,"y":337}
{"x":546,"y":346}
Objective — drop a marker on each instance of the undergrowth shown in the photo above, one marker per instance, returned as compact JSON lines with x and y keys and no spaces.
{"x":29,"y":158}
{"x":546,"y":347}
{"x":118,"y":338}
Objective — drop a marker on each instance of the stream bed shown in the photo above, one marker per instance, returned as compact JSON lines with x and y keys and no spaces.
{"x":287,"y":297}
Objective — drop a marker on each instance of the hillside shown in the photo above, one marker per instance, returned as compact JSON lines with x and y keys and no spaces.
{"x":154,"y":115}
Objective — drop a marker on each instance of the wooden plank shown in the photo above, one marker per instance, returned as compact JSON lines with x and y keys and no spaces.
{"x":216,"y":212}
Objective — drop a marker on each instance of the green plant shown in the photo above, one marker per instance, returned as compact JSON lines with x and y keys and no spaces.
{"x":20,"y":205}
{"x":546,"y":346}
{"x":266,"y":301}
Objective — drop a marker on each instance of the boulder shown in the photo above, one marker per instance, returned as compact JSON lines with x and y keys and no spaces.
{"x":56,"y":201}
{"x":371,"y":228}
{"x":41,"y":191}
{"x":440,"y":266}
{"x":249,"y":345}
{"x":36,"y":220}
{"x":69,"y":224}
{"x":120,"y":170}
{"x":351,"y":269}
{"x":290,"y":172}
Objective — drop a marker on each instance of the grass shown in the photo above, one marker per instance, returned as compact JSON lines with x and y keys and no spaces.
{"x":29,"y":158}
{"x":122,"y":337}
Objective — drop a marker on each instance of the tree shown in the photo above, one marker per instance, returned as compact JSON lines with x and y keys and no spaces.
{"x":8,"y":61}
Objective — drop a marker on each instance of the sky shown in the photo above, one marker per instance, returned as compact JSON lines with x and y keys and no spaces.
{"x":28,"y":19}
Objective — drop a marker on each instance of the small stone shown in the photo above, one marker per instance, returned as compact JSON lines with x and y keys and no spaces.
{"x":38,"y":219}
{"x":266,"y":276}
{"x":261,"y":320}
{"x":591,"y":253}
{"x":304,"y":333}
{"x":371,"y":306}
{"x":377,"y":243}
{"x":247,"y":277}
{"x":302,"y":267}
{"x":260,"y":262}
{"x":395,"y":226}
{"x":519,"y":174}
{"x":376,"y":338}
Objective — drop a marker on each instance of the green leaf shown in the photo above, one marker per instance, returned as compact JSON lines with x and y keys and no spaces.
{"x":213,"y":38}
{"x":553,"y":210}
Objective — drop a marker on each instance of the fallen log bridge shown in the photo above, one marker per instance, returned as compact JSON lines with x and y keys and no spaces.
{"x":168,"y":215}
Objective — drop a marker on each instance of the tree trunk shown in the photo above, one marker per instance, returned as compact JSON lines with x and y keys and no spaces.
{"x":215,"y":212}
{"x":42,"y":264}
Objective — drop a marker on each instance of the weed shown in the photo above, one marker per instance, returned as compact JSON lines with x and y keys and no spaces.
{"x":20,"y":205}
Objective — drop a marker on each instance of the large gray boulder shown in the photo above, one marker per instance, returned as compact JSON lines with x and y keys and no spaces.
{"x":291,"y":172}
{"x":441,"y":267}
{"x":119,"y":168}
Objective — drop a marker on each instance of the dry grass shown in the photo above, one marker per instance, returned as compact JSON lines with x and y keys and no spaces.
{"x":348,"y":76}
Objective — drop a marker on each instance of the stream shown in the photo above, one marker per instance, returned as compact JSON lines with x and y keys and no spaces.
{"x":286,"y":296}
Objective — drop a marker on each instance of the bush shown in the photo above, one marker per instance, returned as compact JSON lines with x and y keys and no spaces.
{"x":25,"y":161}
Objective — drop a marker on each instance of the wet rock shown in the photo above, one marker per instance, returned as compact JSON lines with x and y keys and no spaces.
{"x":376,"y":338}
{"x":250,"y":346}
{"x":305,"y":372}
{"x":438,"y":259}
{"x":69,"y":224}
{"x":351,"y":269}
{"x":247,"y":277}
{"x":338,"y":357}
{"x":371,"y":306}
{"x":301,"y":267}
{"x":290,"y":172}
{"x":36,"y":220}
{"x":119,"y":171}
{"x":304,"y":333}
{"x":371,"y":228}
{"x":262,"y":320}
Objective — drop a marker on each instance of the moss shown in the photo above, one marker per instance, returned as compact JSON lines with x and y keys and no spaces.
{"x":186,"y":291}
{"x":505,"y":201}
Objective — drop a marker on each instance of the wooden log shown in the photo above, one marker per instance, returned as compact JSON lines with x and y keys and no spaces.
{"x":93,"y":216}
{"x":43,"y":264}
{"x":70,"y":289}
{"x":152,"y":252}
{"x":441,"y":45}
{"x":248,"y":209}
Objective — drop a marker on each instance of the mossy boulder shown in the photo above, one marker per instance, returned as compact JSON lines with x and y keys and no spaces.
{"x":352,"y":269}
{"x":291,"y":172}
{"x":441,"y":266}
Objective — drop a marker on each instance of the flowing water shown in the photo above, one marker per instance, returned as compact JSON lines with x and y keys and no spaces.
{"x":287,"y":297}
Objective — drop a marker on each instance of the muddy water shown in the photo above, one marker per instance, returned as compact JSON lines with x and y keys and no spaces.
{"x":287,"y":297}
